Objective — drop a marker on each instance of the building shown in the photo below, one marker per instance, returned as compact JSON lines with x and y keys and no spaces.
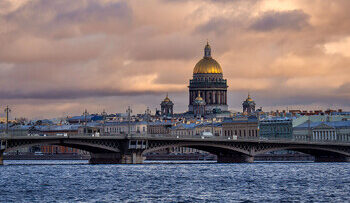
{"x":167,"y":107}
{"x":84,"y":118}
{"x":323,"y":131}
{"x":242,"y":128}
{"x":196,"y":129}
{"x":159,"y":127}
{"x":183,"y":129}
{"x":248,"y":105}
{"x":57,"y":130}
{"x":204,"y":128}
{"x":199,"y":106}
{"x":91,"y":128}
{"x":276,"y":128}
{"x":116,"y":128}
{"x":208,"y":82}
{"x":318,"y":118}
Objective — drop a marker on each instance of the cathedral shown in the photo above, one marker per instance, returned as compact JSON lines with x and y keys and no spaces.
{"x":208,"y":84}
{"x":207,"y":91}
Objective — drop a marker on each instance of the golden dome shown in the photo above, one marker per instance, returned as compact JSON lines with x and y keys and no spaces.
{"x":199,"y":98}
{"x":207,"y":64}
{"x":248,"y":98}
{"x":166,"y":99}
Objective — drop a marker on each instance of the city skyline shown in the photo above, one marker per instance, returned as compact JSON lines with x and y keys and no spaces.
{"x":109,"y":55}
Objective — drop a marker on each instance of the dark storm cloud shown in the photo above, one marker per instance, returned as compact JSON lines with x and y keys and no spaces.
{"x":286,"y":20}
{"x":218,"y":26}
{"x":174,"y":46}
{"x":56,"y":19}
{"x":70,"y":94}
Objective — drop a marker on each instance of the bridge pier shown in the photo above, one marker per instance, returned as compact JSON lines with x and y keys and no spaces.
{"x":116,"y":158}
{"x":1,"y":158}
{"x":235,"y":158}
{"x":105,"y":158}
{"x":332,"y":159}
{"x":133,"y":158}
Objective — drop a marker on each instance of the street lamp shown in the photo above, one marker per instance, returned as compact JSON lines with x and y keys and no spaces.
{"x":104,"y":115}
{"x":85,"y":120}
{"x":148,"y":113}
{"x":7,"y":111}
{"x":129,"y":111}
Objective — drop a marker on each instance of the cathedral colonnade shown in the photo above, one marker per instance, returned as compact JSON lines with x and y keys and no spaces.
{"x":210,"y":96}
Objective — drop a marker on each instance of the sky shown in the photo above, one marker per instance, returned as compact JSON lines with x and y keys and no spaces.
{"x":58,"y":58}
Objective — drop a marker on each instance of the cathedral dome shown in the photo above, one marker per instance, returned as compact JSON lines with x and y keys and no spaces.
{"x":207,"y":64}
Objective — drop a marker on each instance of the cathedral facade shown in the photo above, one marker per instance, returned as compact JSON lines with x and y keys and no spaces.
{"x":208,"y":83}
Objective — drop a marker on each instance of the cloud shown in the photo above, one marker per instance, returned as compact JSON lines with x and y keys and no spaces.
{"x":67,"y":55}
{"x":218,"y":26}
{"x":285,"y":20}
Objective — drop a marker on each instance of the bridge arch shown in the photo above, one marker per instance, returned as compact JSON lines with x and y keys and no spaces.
{"x":321,"y":153}
{"x":208,"y":147}
{"x":311,"y":150}
{"x":94,"y":146}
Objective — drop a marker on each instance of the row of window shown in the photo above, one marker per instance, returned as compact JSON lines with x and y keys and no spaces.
{"x":337,"y":137}
{"x":282,"y":129}
{"x":124,"y":129}
{"x":197,"y":132}
{"x":242,"y":133}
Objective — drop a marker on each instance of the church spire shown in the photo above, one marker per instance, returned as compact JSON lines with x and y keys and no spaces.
{"x":207,"y":50}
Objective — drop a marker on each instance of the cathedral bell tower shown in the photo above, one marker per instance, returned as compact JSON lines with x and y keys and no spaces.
{"x":248,"y":105}
{"x":167,"y":107}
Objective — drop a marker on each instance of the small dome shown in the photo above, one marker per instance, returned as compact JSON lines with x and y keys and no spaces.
{"x":199,"y":100}
{"x":167,"y":99}
{"x":249,"y":98}
{"x":207,"y":64}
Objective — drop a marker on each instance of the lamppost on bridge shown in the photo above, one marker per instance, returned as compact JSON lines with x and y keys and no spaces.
{"x":129,"y":111}
{"x":104,"y":115}
{"x":7,"y":111}
{"x":148,"y":115}
{"x":85,"y":120}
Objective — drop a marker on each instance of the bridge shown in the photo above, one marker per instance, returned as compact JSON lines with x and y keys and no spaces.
{"x":125,"y":149}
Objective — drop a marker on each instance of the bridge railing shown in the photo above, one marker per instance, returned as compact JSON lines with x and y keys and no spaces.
{"x":169,"y":136}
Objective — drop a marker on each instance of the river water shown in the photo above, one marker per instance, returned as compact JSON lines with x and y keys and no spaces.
{"x":72,"y":181}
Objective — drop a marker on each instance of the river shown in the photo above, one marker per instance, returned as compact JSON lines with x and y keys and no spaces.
{"x":77,"y":181}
